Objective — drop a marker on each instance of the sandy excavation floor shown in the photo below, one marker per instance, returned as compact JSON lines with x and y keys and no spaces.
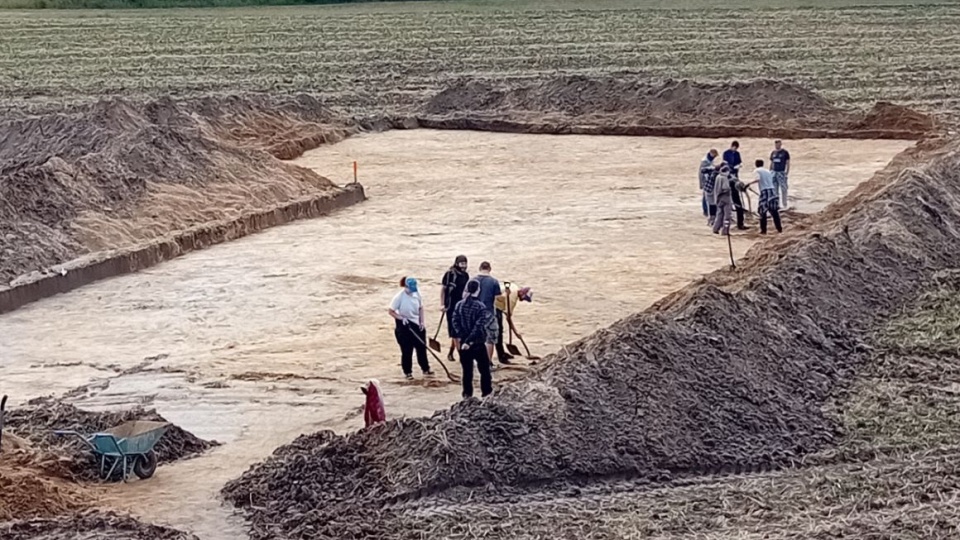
{"x":254,"y":342}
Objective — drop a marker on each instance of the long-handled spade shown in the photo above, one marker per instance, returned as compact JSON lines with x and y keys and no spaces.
{"x":434,"y":344}
{"x":3,"y":407}
{"x":451,"y":376}
{"x":511,"y":348}
{"x":532,"y":357}
{"x":730,"y":247}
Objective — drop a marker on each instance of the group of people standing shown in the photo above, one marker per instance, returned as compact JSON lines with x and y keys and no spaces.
{"x":721,"y":188}
{"x":473,"y":309}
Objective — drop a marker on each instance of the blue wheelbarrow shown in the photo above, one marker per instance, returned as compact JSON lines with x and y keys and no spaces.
{"x":127,"y":447}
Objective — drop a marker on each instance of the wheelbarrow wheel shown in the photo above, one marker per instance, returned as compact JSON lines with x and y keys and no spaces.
{"x":145,"y":465}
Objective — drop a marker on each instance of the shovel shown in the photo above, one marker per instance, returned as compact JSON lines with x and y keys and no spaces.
{"x":451,"y":376}
{"x":511,"y":348}
{"x":513,"y":329}
{"x":434,"y":344}
{"x":3,"y":406}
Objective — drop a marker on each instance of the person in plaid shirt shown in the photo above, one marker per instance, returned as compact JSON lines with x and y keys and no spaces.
{"x":470,"y":320}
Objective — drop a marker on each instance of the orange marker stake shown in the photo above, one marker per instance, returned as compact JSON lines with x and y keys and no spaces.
{"x":354,"y":172}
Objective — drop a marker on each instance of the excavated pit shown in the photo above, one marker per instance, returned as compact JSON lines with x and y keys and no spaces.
{"x":730,"y":374}
{"x":677,"y":391}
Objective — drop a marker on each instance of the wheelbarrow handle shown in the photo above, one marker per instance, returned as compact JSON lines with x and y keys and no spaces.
{"x":70,"y":432}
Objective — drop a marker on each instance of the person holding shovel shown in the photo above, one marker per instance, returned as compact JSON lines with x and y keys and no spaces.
{"x":407,"y":312}
{"x":471,"y":320}
{"x":454,"y":285}
{"x":723,"y":199}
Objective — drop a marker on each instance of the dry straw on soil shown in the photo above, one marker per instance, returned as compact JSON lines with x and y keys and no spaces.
{"x":88,"y":526}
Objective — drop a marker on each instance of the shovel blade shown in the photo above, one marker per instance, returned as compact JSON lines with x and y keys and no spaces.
{"x":513,"y":350}
{"x":435,"y":345}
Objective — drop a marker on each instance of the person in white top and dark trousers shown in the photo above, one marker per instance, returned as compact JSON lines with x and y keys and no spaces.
{"x":407,"y":310}
{"x":769,"y":199}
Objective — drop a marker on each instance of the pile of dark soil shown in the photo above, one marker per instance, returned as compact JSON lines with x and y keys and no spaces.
{"x":105,"y":161}
{"x":731,"y":373}
{"x":615,"y":105}
{"x":36,"y":422}
{"x":94,"y":525}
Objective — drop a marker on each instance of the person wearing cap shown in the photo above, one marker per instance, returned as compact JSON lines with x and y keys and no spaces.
{"x":471,"y":319}
{"x":453,"y":285}
{"x":489,"y":291}
{"x":707,"y":172}
{"x":524,"y":294}
{"x":407,"y":311}
{"x":780,"y":166}
{"x":723,"y":199}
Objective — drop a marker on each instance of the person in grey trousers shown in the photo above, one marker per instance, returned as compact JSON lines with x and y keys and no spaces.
{"x":723,"y":198}
{"x":780,"y":166}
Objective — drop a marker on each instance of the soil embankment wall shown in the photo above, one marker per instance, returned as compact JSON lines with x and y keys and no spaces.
{"x":630,"y":106}
{"x":540,"y":127}
{"x":83,"y":272}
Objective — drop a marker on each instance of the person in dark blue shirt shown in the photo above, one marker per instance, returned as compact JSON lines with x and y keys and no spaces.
{"x":731,"y":157}
{"x":780,"y":165}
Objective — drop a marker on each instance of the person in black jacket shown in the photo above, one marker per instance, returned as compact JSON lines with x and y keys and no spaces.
{"x":470,"y":320}
{"x":452,"y":287}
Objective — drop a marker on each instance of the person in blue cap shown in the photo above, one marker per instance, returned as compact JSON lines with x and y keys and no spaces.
{"x":407,"y":311}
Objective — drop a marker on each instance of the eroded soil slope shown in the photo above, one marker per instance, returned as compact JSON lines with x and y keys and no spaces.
{"x":117,"y":173}
{"x":680,"y":390}
{"x":614,"y":105}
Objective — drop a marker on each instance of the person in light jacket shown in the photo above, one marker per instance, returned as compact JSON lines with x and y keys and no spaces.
{"x":407,"y":311}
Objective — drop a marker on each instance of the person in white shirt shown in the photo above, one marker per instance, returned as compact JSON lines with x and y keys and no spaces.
{"x":407,"y":311}
{"x":769,"y":200}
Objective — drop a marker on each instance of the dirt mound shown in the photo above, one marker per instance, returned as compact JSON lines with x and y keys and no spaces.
{"x":117,"y":173}
{"x":89,"y":526}
{"x":40,"y":417}
{"x":885,"y":115}
{"x":632,"y":106}
{"x":27,"y":494}
{"x":731,"y":373}
{"x":579,"y":95}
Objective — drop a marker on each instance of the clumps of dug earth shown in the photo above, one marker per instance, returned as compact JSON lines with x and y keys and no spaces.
{"x":40,"y":498}
{"x":29,"y":493}
{"x":67,"y":457}
{"x":731,"y":374}
{"x":118,"y":173}
{"x":636,"y":106}
{"x":89,"y":525}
